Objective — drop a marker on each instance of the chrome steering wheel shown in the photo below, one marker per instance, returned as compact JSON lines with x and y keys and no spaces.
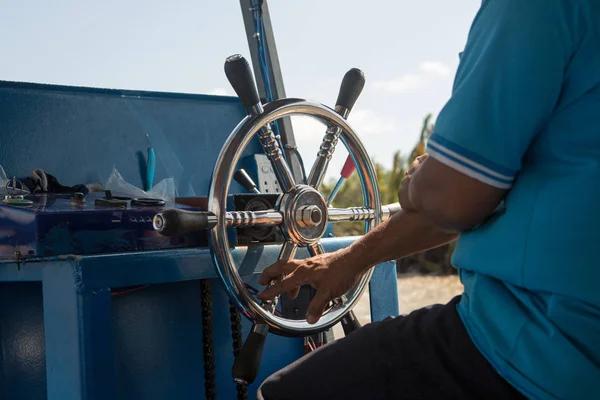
{"x":301,"y":212}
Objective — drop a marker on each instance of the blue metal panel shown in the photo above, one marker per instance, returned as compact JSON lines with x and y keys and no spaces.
{"x":115,"y":270}
{"x":383,"y":292}
{"x":22,"y":359}
{"x":158,"y":341}
{"x":179,"y":265}
{"x":77,"y":329}
{"x":78,"y":134}
{"x":157,"y":331}
{"x":20,"y":272}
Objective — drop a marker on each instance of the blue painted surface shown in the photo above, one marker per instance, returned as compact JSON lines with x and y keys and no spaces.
{"x":154,"y":267}
{"x":71,"y":339}
{"x":156,"y":331}
{"x":158,"y":341}
{"x":77,"y":322}
{"x":383,"y":292}
{"x":22,"y":354}
{"x":11,"y":271}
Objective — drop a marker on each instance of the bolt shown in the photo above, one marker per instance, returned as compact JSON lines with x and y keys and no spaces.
{"x":315,"y":216}
{"x":158,"y":222}
{"x":309,"y":216}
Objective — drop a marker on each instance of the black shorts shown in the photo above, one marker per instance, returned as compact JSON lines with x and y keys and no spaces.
{"x":427,"y":354}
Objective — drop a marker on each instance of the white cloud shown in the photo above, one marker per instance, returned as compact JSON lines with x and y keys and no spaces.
{"x":404,"y":84}
{"x":410,"y":83}
{"x":365,"y":123}
{"x":368,"y":123}
{"x":307,"y":129}
{"x":219,"y":92}
{"x":435,"y":67}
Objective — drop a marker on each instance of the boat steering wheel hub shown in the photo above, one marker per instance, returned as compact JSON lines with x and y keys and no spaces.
{"x":305,"y":217}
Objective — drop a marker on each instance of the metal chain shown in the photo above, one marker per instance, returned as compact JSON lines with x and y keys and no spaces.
{"x":236,"y":335}
{"x":207,"y":340}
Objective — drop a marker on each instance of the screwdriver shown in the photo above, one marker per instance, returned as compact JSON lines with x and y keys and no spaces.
{"x":347,"y":171}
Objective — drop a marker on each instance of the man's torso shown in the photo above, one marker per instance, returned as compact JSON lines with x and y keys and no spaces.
{"x":531,"y":275}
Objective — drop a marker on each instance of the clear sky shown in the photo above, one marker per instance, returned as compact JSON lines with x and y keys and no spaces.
{"x":408,"y":50}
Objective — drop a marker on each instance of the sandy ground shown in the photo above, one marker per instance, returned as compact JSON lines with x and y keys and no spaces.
{"x":414,"y":291}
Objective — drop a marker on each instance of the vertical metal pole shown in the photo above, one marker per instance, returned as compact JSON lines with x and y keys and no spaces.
{"x":275,"y":76}
{"x":278,"y":91}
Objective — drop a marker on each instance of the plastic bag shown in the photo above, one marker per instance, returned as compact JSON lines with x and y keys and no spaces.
{"x":4,"y":180}
{"x":164,"y":189}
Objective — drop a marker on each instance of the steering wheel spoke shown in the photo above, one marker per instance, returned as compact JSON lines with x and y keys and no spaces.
{"x":326,"y":150}
{"x":351,"y":87}
{"x":315,"y":249}
{"x":274,"y":153}
{"x":287,"y":252}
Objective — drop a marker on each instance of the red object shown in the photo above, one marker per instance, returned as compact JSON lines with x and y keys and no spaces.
{"x":349,"y":168}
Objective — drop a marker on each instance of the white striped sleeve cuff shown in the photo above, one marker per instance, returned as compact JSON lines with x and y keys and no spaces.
{"x":469,"y":164}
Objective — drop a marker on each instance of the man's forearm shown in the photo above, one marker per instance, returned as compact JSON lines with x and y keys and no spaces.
{"x":404,"y":234}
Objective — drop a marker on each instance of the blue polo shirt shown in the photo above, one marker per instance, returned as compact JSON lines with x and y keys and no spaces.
{"x":524,"y":115}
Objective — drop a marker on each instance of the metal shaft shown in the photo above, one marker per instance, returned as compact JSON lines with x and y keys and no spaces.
{"x":335,"y":190}
{"x":164,"y":221}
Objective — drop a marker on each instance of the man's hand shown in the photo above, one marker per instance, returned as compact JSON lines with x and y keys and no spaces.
{"x":331,"y":274}
{"x":404,"y":190}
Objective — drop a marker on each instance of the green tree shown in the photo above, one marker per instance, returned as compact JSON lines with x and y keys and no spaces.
{"x":351,"y":195}
{"x":426,"y":131}
{"x":390,"y":181}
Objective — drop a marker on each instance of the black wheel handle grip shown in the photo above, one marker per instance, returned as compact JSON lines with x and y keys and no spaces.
{"x":247,"y":363}
{"x":350,"y":323}
{"x":174,"y":222}
{"x":239,"y":74}
{"x":351,"y":87}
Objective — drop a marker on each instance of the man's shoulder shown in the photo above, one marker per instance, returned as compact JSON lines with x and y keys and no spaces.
{"x":538,"y":11}
{"x":569,"y":19}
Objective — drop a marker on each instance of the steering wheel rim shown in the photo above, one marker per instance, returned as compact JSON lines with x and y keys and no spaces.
{"x":221,"y":180}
